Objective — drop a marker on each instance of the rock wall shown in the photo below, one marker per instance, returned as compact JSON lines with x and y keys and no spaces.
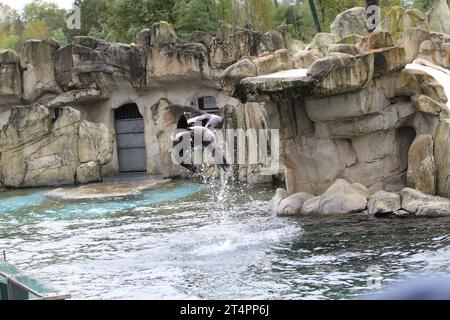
{"x":359,"y":127}
{"x":90,"y":78}
{"x":37,"y":149}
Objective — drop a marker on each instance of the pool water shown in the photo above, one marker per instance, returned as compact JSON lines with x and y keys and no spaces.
{"x":211,"y":241}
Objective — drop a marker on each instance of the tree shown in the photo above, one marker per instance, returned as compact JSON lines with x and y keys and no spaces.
{"x":35,"y":30}
{"x":47,"y":12}
{"x":124,"y":18}
{"x":59,"y":36}
{"x":225,"y":11}
{"x":423,"y":5}
{"x":93,"y":13}
{"x":261,"y":14}
{"x":195,"y":15}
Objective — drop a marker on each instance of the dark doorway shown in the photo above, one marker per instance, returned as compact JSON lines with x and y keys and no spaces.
{"x":129,"y":125}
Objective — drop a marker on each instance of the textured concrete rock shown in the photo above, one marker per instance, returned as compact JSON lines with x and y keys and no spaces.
{"x":427,"y":105}
{"x":421,"y":204}
{"x":419,"y":82}
{"x":274,"y":203}
{"x":379,"y":39}
{"x":311,"y":207}
{"x":89,"y":173}
{"x":170,"y":63}
{"x":340,"y":73}
{"x":388,"y":60}
{"x":350,"y":22}
{"x":384,"y":202}
{"x":343,"y":198}
{"x":398,"y":19}
{"x":10,"y":78}
{"x":351,"y":105}
{"x":292,"y":205}
{"x":442,"y":158}
{"x":306,"y":58}
{"x":37,"y":150}
{"x":95,"y":143}
{"x":88,"y":62}
{"x":439,"y":17}
{"x":38,"y":70}
{"x":421,"y":167}
{"x":411,"y":42}
{"x":350,"y":49}
{"x":321,"y":41}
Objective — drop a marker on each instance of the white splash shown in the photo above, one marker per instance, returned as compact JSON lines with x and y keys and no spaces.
{"x":440,"y":74}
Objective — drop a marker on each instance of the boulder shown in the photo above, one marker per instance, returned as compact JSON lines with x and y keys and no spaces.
{"x":292,"y":205}
{"x":38,"y":70}
{"x":421,"y":204}
{"x":341,"y":73}
{"x":351,"y":39}
{"x":420,"y":82}
{"x":162,"y":33}
{"x":388,"y":60}
{"x":346,"y":106}
{"x":321,"y":41}
{"x":277,"y":61}
{"x":379,"y":39}
{"x":89,"y":173}
{"x":10,"y":78}
{"x":233,"y":75}
{"x":274,"y":203}
{"x":38,"y":150}
{"x":171,"y":63}
{"x":344,"y":48}
{"x":89,"y":63}
{"x":343,"y":198}
{"x":442,"y":158}
{"x":384,"y":202}
{"x":350,"y":22}
{"x":95,"y":143}
{"x":421,"y":167}
{"x":202,"y":37}
{"x":437,"y":50}
{"x":232,"y":44}
{"x":439,"y":17}
{"x":393,"y":117}
{"x":306,"y":58}
{"x":427,"y":105}
{"x":311,"y":207}
{"x":411,"y":42}
{"x":398,"y":19}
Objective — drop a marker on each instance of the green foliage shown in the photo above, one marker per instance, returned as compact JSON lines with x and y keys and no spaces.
{"x":195,"y":15}
{"x":121,"y":20}
{"x":260,"y":14}
{"x":297,"y":18}
{"x":225,"y":11}
{"x":59,"y":36}
{"x":124,"y":18}
{"x":10,"y":41}
{"x":423,"y":5}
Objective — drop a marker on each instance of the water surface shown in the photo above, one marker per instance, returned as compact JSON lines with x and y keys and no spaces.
{"x":200,"y":241}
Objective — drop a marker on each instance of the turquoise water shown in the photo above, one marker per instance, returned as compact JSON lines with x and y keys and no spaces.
{"x":208,"y":241}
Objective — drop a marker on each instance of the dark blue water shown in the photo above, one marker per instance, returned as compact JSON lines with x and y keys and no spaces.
{"x":204,"y":241}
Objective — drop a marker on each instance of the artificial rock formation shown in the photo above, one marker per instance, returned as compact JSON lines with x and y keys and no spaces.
{"x":359,"y":114}
{"x":38,"y":150}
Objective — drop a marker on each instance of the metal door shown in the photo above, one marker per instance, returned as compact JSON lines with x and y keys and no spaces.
{"x":130,"y":139}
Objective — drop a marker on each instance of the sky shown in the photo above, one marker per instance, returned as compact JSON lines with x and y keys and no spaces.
{"x":19,"y":4}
